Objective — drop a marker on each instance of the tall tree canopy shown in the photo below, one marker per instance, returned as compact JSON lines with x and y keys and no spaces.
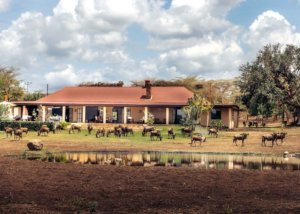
{"x":271,"y":83}
{"x":215,"y":91}
{"x":9,"y":84}
{"x":34,"y":96}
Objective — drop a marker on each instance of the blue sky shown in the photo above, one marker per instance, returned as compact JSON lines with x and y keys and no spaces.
{"x":65,"y":42}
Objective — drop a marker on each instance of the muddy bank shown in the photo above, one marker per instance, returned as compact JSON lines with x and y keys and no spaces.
{"x":34,"y":186}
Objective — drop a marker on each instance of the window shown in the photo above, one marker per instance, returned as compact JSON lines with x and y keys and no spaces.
{"x":216,"y":114}
{"x":79,"y":115}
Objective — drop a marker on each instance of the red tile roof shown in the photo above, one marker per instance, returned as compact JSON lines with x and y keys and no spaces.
{"x":117,"y":96}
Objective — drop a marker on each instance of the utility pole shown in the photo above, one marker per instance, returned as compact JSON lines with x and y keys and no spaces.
{"x":27,"y":84}
{"x":47,"y":89}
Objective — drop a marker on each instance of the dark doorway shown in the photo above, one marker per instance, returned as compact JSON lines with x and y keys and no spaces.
{"x":92,"y":113}
{"x":117,"y":114}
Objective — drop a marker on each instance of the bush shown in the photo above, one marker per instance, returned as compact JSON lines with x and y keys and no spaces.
{"x":31,"y":125}
{"x":64,"y":124}
{"x":216,"y":124}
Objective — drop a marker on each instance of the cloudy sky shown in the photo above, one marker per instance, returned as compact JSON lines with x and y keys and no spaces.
{"x":65,"y":42}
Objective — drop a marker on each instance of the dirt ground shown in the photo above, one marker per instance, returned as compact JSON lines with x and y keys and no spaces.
{"x":42,"y":187}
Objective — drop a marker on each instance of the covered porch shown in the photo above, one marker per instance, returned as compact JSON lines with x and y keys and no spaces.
{"x":102,"y":114}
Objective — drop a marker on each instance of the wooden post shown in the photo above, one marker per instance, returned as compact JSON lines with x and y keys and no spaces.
{"x":104,"y":114}
{"x":167,"y":116}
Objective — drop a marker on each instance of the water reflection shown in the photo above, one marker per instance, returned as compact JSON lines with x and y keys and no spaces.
{"x":197,"y":160}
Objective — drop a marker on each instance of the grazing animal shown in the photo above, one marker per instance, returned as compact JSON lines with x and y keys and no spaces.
{"x":110,"y":131}
{"x":116,"y":131}
{"x":90,"y":128}
{"x":100,"y":132}
{"x":8,"y":131}
{"x":156,"y":134}
{"x":73,"y":128}
{"x":43,"y":130}
{"x":200,"y":139}
{"x":280,"y":136}
{"x":171,"y":133}
{"x":147,"y":129}
{"x":58,"y":127}
{"x":241,"y":137}
{"x":270,"y":137}
{"x":24,"y":130}
{"x":187,"y":131}
{"x":124,"y":130}
{"x":213,"y":132}
{"x":18,"y":134}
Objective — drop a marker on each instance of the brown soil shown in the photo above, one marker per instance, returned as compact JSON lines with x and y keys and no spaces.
{"x":39,"y":187}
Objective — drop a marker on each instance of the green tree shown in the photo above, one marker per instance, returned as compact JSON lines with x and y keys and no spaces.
{"x":197,"y":105}
{"x":34,"y":96}
{"x":3,"y":112}
{"x":10,"y":85}
{"x":271,"y":84}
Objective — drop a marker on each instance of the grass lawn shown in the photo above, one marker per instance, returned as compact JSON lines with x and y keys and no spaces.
{"x":83,"y":142}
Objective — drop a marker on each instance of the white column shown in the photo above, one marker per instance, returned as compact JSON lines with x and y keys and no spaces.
{"x":230,"y":118}
{"x":24,"y":113}
{"x":43,"y":113}
{"x":125,"y":115}
{"x":146,"y":115}
{"x":104,"y":114}
{"x":207,"y":118}
{"x":167,"y":116}
{"x":64,"y":113}
{"x":83,"y":113}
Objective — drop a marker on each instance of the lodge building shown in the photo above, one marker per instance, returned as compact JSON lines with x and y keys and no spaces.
{"x":121,"y":105}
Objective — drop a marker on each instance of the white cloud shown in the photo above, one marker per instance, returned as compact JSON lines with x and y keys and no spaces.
{"x":271,"y":27}
{"x":4,"y":5}
{"x":68,"y":76}
{"x":190,"y":37}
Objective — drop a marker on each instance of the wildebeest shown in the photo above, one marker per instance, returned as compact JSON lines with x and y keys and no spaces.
{"x":18,"y":134}
{"x":24,"y":130}
{"x":100,"y":133}
{"x":43,"y":130}
{"x":281,"y":136}
{"x":58,"y":127}
{"x":147,"y":129}
{"x":241,"y":137}
{"x":213,"y":131}
{"x":116,"y":131}
{"x":269,"y":137}
{"x":90,"y":128}
{"x":171,"y":133}
{"x":200,"y":139}
{"x":73,"y":128}
{"x":125,"y":130}
{"x":186,"y":131}
{"x":156,"y":134}
{"x":8,"y":131}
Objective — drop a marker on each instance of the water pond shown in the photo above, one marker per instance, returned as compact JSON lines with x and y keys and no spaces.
{"x":173,"y":159}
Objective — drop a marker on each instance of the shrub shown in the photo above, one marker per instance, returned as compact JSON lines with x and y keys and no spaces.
{"x":31,"y":125}
{"x":64,"y":124}
{"x":216,"y":124}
